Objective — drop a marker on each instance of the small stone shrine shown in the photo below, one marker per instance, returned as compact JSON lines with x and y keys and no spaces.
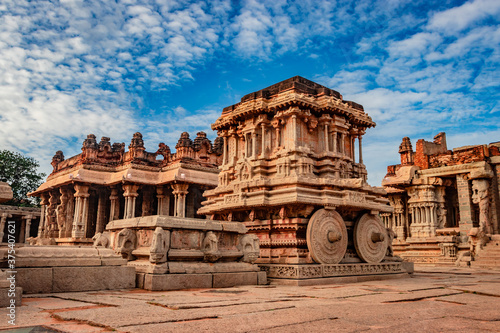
{"x":105,"y":183}
{"x":446,"y":202}
{"x":291,"y":174}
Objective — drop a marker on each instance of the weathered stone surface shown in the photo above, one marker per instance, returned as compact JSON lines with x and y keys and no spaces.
{"x":92,"y":278}
{"x":35,"y":280}
{"x":223,"y":280}
{"x":5,"y":192}
{"x":177,"y":281}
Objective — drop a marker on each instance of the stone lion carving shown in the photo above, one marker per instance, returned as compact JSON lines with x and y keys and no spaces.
{"x":126,"y":241}
{"x":250,"y":247}
{"x":159,"y":246}
{"x":210,"y":247}
{"x":101,"y":239}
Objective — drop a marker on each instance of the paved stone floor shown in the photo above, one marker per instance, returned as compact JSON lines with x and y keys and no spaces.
{"x":434,"y":299}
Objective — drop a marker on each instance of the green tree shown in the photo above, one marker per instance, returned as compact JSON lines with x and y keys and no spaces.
{"x":20,"y":172}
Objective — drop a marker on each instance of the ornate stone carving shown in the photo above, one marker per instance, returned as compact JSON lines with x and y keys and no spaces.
{"x":210,"y":247}
{"x":249,"y":245}
{"x":101,"y":239}
{"x":370,"y":239}
{"x":159,"y":246}
{"x":480,"y":196}
{"x":126,"y":242}
{"x":326,"y":237}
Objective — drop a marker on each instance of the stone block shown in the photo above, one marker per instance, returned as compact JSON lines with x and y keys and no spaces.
{"x":261,"y":278}
{"x":408,"y":267}
{"x":5,"y":299}
{"x":177,"y":281}
{"x":223,"y":280}
{"x":139,"y":280}
{"x":93,"y":278}
{"x":34,"y":280}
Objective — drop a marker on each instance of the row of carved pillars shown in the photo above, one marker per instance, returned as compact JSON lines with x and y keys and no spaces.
{"x":25,"y":226}
{"x":333,"y":142}
{"x":70,"y":218}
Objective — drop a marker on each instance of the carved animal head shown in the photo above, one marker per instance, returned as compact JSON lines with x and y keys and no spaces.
{"x":159,"y":246}
{"x":126,"y":243}
{"x":250,"y":246}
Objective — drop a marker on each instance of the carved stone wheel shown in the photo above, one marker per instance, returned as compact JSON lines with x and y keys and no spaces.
{"x":326,"y":237}
{"x":370,"y":239}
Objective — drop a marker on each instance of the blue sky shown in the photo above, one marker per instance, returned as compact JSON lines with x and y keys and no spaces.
{"x":111,"y":68}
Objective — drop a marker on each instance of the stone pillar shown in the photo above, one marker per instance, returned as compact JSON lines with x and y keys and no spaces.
{"x":254,"y":144}
{"x":294,"y":132}
{"x":147,"y":200}
{"x":44,"y":202}
{"x":180,"y":192}
{"x":81,"y":210}
{"x":464,"y":204}
{"x":334,"y":137}
{"x":70,"y":211}
{"x":360,"y":149}
{"x":101,"y":212}
{"x":224,"y":150}
{"x":480,"y":196}
{"x":263,"y":149}
{"x":114,"y":210}
{"x":130,"y":194}
{"x":27,"y":228}
{"x":51,"y":215}
{"x":327,"y":148}
{"x":3,"y":220}
{"x":342,"y":144}
{"x":163,"y":201}
{"x":61,"y":214}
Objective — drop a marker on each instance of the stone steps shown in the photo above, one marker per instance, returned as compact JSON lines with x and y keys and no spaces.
{"x":489,"y":257}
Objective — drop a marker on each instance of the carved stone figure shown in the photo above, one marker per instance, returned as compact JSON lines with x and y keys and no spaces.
{"x":159,"y":246}
{"x":101,"y":239}
{"x":251,"y":248}
{"x":210,"y":247}
{"x":480,"y":196}
{"x":126,"y":242}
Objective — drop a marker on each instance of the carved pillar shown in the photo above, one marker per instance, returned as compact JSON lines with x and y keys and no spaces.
{"x":27,"y":229}
{"x":294,"y":132}
{"x":44,"y":202}
{"x":480,"y":196}
{"x":263,"y":149}
{"x":81,"y":210}
{"x":114,"y":210}
{"x":130,"y":194}
{"x":464,"y":204}
{"x":180,"y":192}
{"x":101,"y":212}
{"x":51,"y":214}
{"x":334,"y":138}
{"x":224,"y":150}
{"x":147,"y":200}
{"x":342,"y":143}
{"x":61,"y":214}
{"x":254,"y":144}
{"x":70,"y":211}
{"x":163,"y":200}
{"x":3,"y":220}
{"x":360,"y":149}
{"x":327,"y":148}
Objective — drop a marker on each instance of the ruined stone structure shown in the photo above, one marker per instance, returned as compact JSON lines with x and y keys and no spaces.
{"x":292,"y":171}
{"x":105,"y":183}
{"x":446,"y":202}
{"x":171,"y":253}
{"x":26,"y":219}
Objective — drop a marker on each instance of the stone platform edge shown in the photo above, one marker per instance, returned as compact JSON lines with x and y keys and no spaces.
{"x":324,"y":271}
{"x":163,"y":282}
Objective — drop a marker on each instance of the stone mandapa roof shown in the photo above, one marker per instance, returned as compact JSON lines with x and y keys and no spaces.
{"x":306,"y":93}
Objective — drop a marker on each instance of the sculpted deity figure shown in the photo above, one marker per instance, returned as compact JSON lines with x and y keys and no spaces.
{"x":125,"y":243}
{"x":250,"y":247}
{"x":210,"y":247}
{"x":159,"y":246}
{"x":480,"y":196}
{"x":61,"y":212}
